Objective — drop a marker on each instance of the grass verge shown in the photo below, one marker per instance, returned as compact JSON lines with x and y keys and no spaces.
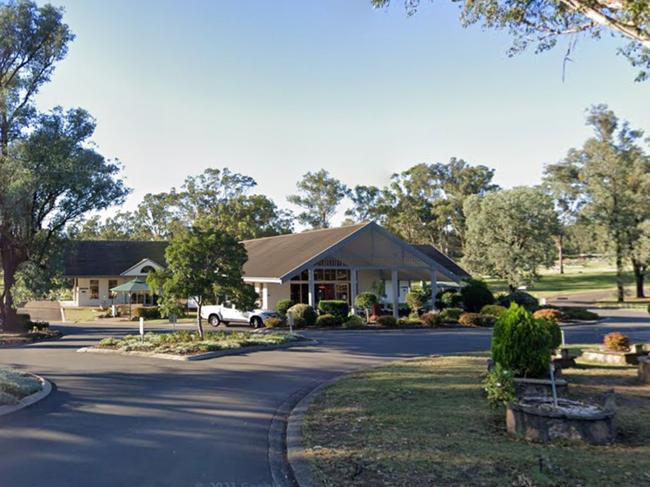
{"x":426,"y":422}
{"x":188,"y":343}
{"x":15,"y":385}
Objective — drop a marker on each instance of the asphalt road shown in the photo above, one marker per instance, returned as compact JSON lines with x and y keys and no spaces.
{"x":127,"y":421}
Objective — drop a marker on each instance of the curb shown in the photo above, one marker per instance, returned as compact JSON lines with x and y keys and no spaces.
{"x":198,"y":356}
{"x":29,"y":400}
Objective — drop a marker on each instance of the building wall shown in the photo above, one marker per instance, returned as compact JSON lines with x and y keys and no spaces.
{"x":81,"y":292}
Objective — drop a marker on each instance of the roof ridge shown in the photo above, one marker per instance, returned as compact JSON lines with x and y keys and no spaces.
{"x":313,"y":230}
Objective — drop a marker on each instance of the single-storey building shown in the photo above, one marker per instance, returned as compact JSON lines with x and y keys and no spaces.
{"x":333,"y":263}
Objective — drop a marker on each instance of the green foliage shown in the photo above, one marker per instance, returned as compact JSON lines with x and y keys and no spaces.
{"x":521,"y":343}
{"x":387,"y":321}
{"x":283,"y":305}
{"x":416,"y":298}
{"x":475,"y":294}
{"x":147,"y":312}
{"x":554,"y":332}
{"x":335,"y":307}
{"x":327,"y":321}
{"x":617,"y":342}
{"x":409,"y":322}
{"x":432,"y":319}
{"x":476,"y":320}
{"x":353,"y":321}
{"x":493,"y":309}
{"x":499,"y":386}
{"x":366,"y":301}
{"x":170,"y":306}
{"x":521,"y":242}
{"x":273,"y":322}
{"x":522,"y":298}
{"x":579,"y":314}
{"x":451,"y":314}
{"x":319,"y":196}
{"x":303,"y":315}
{"x":448,"y":298}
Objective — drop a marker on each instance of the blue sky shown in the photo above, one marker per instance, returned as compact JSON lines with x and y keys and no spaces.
{"x":272,"y":89}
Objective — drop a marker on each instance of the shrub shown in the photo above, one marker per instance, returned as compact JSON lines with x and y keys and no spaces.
{"x":448,"y":298}
{"x":366,"y":301}
{"x":387,"y":320}
{"x":649,"y":309}
{"x":493,"y":310}
{"x":476,"y":319}
{"x":549,"y":314}
{"x":148,"y":312}
{"x":353,"y":321}
{"x":416,"y":298}
{"x":521,"y":298}
{"x":168,"y":308}
{"x":327,"y":321}
{"x":409,"y":322}
{"x":579,"y":314}
{"x":335,"y":307}
{"x":499,"y":386}
{"x":475,"y":294}
{"x":37,"y":326}
{"x":521,"y":343}
{"x":303,"y":315}
{"x":273,"y":322}
{"x":24,"y":320}
{"x":554,"y":331}
{"x":431,"y":319}
{"x":617,"y":342}
{"x":283,"y":306}
{"x":451,"y":314}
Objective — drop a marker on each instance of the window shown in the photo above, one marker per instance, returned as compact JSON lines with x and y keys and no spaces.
{"x":146,"y":269}
{"x":111,"y":284}
{"x":300,"y":293}
{"x":94,"y":289}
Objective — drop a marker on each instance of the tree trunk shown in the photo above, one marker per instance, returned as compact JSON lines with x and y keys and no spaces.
{"x":199,"y":323}
{"x":620,"y":290}
{"x":560,"y":252}
{"x":8,"y":315}
{"x":639,"y":277}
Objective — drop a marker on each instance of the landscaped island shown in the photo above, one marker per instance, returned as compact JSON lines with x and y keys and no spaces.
{"x":426,"y":422}
{"x":187,"y":343}
{"x":16,"y":385}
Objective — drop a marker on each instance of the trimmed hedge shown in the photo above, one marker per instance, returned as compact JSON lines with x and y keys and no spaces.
{"x":579,"y":314}
{"x":476,"y":320}
{"x":451,"y":314}
{"x":283,"y":306}
{"x":335,"y":307}
{"x":522,"y":298}
{"x":617,"y":342}
{"x":549,"y":314}
{"x":387,"y":320}
{"x":476,"y":294}
{"x":431,"y":319}
{"x":327,"y":321}
{"x":493,"y":309}
{"x":147,"y":312}
{"x":448,"y":298}
{"x":353,"y":321}
{"x":410,"y":322}
{"x":273,"y":322}
{"x":303,"y":315}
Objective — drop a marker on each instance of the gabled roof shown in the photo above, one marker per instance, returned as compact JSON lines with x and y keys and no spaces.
{"x":109,"y":257}
{"x":275,"y":257}
{"x":434,"y":254}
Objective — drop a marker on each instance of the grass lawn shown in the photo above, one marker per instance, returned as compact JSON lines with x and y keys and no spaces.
{"x":426,"y":422}
{"x":188,"y":343}
{"x":15,"y":385}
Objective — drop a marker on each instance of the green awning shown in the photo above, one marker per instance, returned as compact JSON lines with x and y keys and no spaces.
{"x":134,"y":286}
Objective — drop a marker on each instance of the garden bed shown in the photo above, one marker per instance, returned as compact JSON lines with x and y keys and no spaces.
{"x":16,"y":386}
{"x":10,"y":339}
{"x":427,"y":422}
{"x":186,"y":345}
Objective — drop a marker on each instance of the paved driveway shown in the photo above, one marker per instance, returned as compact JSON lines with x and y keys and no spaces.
{"x":126,"y":421}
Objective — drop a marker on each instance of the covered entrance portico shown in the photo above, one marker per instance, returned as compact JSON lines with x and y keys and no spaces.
{"x":368,"y":259}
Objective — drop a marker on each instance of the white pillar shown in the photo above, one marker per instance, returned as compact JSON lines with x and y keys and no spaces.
{"x":265,"y":296}
{"x":394,"y":284}
{"x":310,"y":287}
{"x":434,"y":289}
{"x":353,"y":289}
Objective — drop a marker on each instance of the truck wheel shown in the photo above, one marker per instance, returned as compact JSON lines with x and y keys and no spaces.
{"x":256,"y":322}
{"x":214,"y":320}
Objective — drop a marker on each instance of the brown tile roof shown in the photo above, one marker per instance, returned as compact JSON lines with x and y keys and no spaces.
{"x":434,"y":254}
{"x":109,"y":257}
{"x":274,"y":257}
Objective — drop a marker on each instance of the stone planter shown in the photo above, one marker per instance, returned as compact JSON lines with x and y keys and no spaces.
{"x":536,"y":419}
{"x":611,"y":357}
{"x":644,"y":370}
{"x":540,"y":388}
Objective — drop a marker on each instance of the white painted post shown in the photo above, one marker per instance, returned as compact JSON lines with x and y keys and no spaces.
{"x":394,"y":284}
{"x":142,"y":329}
{"x":353,"y":289}
{"x":265,"y":296}
{"x":434,"y":289}
{"x":310,"y":287}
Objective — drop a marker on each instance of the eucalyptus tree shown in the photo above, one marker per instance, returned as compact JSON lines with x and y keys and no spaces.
{"x":543,"y":23}
{"x":319,"y":195}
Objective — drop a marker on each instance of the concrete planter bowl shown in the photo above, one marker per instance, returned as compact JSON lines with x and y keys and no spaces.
{"x":537,"y":419}
{"x":611,"y":357}
{"x":539,"y":387}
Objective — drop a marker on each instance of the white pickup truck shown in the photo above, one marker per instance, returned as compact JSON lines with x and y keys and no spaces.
{"x":220,"y":313}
